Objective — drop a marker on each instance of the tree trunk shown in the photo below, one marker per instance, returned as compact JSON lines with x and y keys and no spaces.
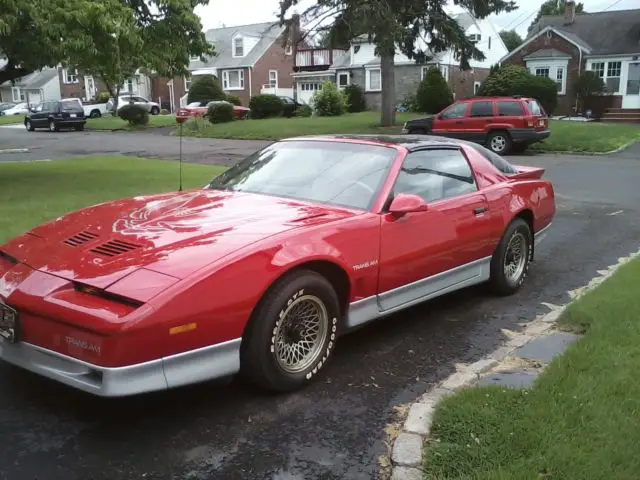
{"x":388,"y":102}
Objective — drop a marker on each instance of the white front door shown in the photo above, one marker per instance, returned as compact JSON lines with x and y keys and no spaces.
{"x":631,"y":98}
{"x":89,"y":87}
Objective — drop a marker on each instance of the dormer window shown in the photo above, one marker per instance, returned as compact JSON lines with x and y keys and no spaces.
{"x":475,"y":37}
{"x":238,"y":47}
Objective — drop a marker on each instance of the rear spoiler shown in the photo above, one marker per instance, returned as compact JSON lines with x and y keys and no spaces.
{"x":527,"y":173}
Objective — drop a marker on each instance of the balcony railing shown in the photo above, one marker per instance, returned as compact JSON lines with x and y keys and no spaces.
{"x":317,"y":57}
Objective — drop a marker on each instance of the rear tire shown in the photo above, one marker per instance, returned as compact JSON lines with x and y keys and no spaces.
{"x":292,"y":333}
{"x":499,"y":142}
{"x":95,"y":114}
{"x":511,"y":260}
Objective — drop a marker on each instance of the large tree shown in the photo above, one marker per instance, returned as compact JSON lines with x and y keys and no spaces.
{"x":108,"y":38}
{"x":511,"y":39}
{"x":552,"y":7}
{"x":419,"y":29}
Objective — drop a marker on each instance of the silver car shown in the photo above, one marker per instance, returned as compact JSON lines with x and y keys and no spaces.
{"x":152,"y":107}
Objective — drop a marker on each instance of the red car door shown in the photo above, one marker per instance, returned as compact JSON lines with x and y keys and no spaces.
{"x":480,"y":116}
{"x":424,"y":254}
{"x":450,"y":122}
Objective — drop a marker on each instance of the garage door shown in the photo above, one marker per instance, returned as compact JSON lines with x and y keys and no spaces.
{"x":307,"y":89}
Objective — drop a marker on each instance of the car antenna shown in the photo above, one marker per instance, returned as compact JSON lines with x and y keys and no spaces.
{"x":180,"y":118}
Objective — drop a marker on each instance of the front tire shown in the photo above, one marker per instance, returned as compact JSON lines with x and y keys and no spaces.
{"x":29,"y":126}
{"x":292,"y":334}
{"x":155,"y":111}
{"x":511,"y":260}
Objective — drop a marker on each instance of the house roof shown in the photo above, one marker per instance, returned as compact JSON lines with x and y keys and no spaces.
{"x":34,"y":80}
{"x":222,"y":38}
{"x":598,"y":33}
{"x":547,"y":53}
{"x":465,"y":20}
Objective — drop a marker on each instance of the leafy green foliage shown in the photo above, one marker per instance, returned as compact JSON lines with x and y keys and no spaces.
{"x":266,"y":106}
{"x":234,"y":99}
{"x":220,"y":113}
{"x":511,"y":39}
{"x":552,"y":7}
{"x":304,"y":111}
{"x":355,"y":98}
{"x":134,"y":114}
{"x":433,"y":93}
{"x":205,"y":88}
{"x":164,"y":111}
{"x":410,"y":102}
{"x":589,"y":84}
{"x":514,"y":80}
{"x":102,"y":97}
{"x":329,"y":101}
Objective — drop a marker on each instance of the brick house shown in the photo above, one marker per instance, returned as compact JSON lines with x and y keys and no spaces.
{"x":360,"y":65}
{"x":608,"y":43}
{"x":249,"y":60}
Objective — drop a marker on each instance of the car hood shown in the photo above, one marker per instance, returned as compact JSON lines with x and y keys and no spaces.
{"x":172,"y":234}
{"x":421,"y":121}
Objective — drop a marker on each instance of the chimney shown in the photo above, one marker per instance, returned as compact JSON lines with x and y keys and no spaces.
{"x":569,"y":12}
{"x":295,"y":31}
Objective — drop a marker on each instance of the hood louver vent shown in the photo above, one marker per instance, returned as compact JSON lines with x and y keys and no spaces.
{"x":113,"y":248}
{"x":80,"y":238}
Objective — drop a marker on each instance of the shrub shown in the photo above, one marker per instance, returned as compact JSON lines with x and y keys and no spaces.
{"x":288,"y":109}
{"x":587,"y":86}
{"x":433,"y":92}
{"x":134,"y":114}
{"x":304,"y":111}
{"x":220,"y":113}
{"x":355,"y":98}
{"x":266,"y":106}
{"x":329,"y":101}
{"x":512,"y":80}
{"x":164,"y":111}
{"x":234,"y":99}
{"x":205,"y":88}
{"x":103,"y":97}
{"x":410,"y":103}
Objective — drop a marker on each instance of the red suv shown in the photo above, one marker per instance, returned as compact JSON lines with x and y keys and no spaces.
{"x":503,"y":124}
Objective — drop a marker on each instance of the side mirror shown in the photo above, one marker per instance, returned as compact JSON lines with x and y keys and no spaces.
{"x":407,"y":203}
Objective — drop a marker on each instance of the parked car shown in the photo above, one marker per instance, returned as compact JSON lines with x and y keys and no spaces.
{"x":262,"y":269}
{"x":5,"y":106}
{"x":18,"y":109}
{"x":56,"y":115}
{"x":290,"y":105}
{"x":91,"y":109}
{"x":152,"y":107}
{"x":503,"y":124}
{"x":198,"y":109}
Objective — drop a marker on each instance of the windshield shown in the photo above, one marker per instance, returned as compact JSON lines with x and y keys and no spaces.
{"x":338,"y":173}
{"x":196,"y":104}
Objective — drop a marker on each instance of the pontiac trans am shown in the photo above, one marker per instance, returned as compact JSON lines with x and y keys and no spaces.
{"x":260,"y":271}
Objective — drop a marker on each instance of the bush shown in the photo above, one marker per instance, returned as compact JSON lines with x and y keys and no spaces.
{"x":205,"y":88}
{"x":102,"y":97}
{"x":220,"y":113}
{"x":134,"y":114}
{"x":288,"y":109}
{"x":355,"y":98}
{"x":164,"y":111}
{"x":266,"y":106}
{"x":234,"y":99}
{"x":587,"y":86}
{"x":433,"y":92}
{"x":512,"y":80}
{"x":304,"y":111}
{"x":329,"y":101}
{"x":410,"y":103}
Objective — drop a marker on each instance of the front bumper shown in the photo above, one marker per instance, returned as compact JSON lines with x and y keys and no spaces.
{"x":194,"y":366}
{"x":528,"y":135}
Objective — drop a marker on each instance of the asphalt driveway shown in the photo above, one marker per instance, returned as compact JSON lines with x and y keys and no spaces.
{"x":334,"y":429}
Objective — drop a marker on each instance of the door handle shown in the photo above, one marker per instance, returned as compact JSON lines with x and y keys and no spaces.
{"x":479,"y":210}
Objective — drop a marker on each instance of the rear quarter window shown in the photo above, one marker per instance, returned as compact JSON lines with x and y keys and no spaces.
{"x":510,"y":109}
{"x":535,"y":108}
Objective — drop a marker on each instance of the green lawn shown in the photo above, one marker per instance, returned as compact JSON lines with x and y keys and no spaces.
{"x":277,"y":128}
{"x":581,"y":421}
{"x":35,"y":192}
{"x":11,"y":119}
{"x":109,"y":122}
{"x":594,"y":137}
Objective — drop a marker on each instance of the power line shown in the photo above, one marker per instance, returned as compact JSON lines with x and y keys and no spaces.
{"x":508,"y":27}
{"x":612,"y":5}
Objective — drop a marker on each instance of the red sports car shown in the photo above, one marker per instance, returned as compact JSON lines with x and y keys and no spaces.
{"x":198,"y":109}
{"x":260,"y":271}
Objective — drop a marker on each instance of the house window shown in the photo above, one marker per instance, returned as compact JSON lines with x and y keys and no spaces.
{"x":542,"y":72}
{"x":187,"y":83}
{"x":18,"y":94}
{"x":129,"y":85}
{"x":613,"y":76}
{"x":70,"y":76}
{"x":343,"y":79}
{"x":560,"y":80}
{"x":310,"y":87}
{"x":476,"y":87}
{"x":288,"y":50}
{"x":273,"y":78}
{"x":598,"y":68}
{"x":238,"y":47}
{"x":233,"y":79}
{"x":373,"y":80}
{"x":444,"y":70}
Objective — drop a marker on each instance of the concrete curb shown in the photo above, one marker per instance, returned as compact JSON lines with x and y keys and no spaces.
{"x":591,"y":154}
{"x":14,"y":150}
{"x":406,"y":447}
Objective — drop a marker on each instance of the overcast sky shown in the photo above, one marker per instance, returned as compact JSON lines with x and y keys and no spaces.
{"x":243,"y":12}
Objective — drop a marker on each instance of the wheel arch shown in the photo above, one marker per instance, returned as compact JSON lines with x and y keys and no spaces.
{"x":526,"y":214}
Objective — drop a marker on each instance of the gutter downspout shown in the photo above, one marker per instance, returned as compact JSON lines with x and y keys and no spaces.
{"x":250,"y":84}
{"x":579,"y":69}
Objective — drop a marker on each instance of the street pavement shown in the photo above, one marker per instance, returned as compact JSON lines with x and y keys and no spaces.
{"x":335,"y":428}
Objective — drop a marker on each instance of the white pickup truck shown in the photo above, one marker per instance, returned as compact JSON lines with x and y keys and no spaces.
{"x":91,"y":109}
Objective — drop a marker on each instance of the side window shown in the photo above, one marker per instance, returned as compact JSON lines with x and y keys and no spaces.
{"x":140,"y":99}
{"x":454,"y":111}
{"x":482,"y":109}
{"x":510,"y":109}
{"x":435,"y":175}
